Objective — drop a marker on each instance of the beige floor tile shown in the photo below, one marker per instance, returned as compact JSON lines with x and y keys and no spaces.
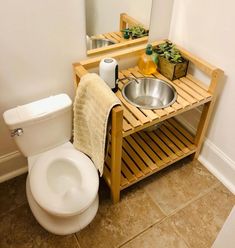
{"x":115,"y":224}
{"x":19,"y":229}
{"x":159,"y":236}
{"x":178,"y":184}
{"x":12,"y":193}
{"x":200,"y":222}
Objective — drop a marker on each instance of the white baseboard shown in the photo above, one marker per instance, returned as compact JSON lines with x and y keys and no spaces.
{"x":11,"y":165}
{"x":214,"y":159}
{"x":219,"y":164}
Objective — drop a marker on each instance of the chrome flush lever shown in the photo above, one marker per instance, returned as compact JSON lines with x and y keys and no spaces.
{"x":17,"y":131}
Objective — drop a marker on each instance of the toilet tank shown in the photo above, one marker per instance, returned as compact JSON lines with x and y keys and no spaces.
{"x":41,"y":125}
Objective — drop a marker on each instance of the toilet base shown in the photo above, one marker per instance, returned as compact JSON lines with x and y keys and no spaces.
{"x":61,"y":225}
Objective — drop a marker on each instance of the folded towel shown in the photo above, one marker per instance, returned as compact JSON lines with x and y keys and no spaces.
{"x":92,"y":106}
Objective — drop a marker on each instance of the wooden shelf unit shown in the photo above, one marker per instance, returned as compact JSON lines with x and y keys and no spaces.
{"x":134,"y":153}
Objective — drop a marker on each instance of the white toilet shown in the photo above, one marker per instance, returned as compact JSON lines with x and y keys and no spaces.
{"x":62,"y":183}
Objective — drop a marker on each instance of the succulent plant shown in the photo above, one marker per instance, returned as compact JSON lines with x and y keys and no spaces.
{"x":168,"y":51}
{"x":135,"y":32}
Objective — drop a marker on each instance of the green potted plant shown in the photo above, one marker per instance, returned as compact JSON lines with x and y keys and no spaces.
{"x":171,"y":64}
{"x":135,"y":32}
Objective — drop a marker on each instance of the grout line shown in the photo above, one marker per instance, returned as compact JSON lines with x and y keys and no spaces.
{"x":79,"y":246}
{"x":146,"y":229}
{"x":138,"y":234}
{"x":9,"y":211}
{"x":179,"y":234}
{"x":187,"y":203}
{"x":155,"y":202}
{"x":194,"y":199}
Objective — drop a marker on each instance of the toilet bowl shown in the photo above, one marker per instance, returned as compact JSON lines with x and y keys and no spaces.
{"x":62,"y":183}
{"x":62,"y":188}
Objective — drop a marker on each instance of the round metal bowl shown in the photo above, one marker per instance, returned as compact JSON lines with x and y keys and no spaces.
{"x":96,"y":43}
{"x":149,"y":93}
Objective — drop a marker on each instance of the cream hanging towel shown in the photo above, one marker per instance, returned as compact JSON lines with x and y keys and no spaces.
{"x":92,"y":106}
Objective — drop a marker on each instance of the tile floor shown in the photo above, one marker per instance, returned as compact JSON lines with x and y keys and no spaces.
{"x":182,"y":206}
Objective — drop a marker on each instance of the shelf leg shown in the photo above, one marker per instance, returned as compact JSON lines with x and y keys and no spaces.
{"x":116,"y":152}
{"x":122,"y":22}
{"x":207,"y":112}
{"x":202,"y":127}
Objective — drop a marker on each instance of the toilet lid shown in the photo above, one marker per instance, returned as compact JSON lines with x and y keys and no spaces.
{"x":64,"y":181}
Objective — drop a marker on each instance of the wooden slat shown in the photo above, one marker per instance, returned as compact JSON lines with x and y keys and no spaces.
{"x":133,"y":109}
{"x":179,"y":135}
{"x":197,"y":82}
{"x":116,"y":37}
{"x":188,"y":90}
{"x":154,"y":147}
{"x":147,"y":149}
{"x":176,"y":106}
{"x":170,"y":110}
{"x":174,"y":139}
{"x":136,"y":158}
{"x":126,"y":73}
{"x":183,"y":94}
{"x":109,"y":37}
{"x":126,"y":125}
{"x":181,"y":129}
{"x":160,"y":112}
{"x":130,"y":118}
{"x":130,"y":164}
{"x":194,"y":86}
{"x":168,"y":142}
{"x":162,"y":145}
{"x":119,"y":34}
{"x":139,"y":149}
{"x":135,"y":72}
{"x":149,"y":113}
{"x":127,"y":173}
{"x":182,"y":102}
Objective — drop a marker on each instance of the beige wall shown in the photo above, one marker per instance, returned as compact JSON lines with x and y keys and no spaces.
{"x":206,"y":28}
{"x":160,"y":19}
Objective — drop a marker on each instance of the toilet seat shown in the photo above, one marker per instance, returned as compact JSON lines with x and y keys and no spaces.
{"x":64,"y":181}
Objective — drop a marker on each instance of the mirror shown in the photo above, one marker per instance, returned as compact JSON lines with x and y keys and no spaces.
{"x":106,"y":20}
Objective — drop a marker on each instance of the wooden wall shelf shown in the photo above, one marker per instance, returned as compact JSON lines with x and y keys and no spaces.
{"x":134,"y":153}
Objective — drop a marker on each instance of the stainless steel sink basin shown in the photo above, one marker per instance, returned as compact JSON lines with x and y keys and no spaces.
{"x":149,"y":93}
{"x":93,"y":43}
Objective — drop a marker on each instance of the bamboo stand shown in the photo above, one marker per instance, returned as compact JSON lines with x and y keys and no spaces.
{"x":135,"y":154}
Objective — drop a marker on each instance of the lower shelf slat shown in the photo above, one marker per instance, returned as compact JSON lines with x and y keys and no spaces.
{"x":145,"y":153}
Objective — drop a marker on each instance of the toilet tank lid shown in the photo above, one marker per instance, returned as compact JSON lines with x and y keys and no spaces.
{"x":41,"y":109}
